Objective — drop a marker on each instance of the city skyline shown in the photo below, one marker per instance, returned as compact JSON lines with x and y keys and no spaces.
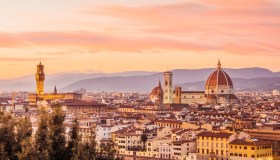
{"x":114,"y":37}
{"x":140,"y":80}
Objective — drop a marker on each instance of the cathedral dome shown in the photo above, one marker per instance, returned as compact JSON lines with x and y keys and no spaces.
{"x":218,"y":78}
{"x":157,"y":93}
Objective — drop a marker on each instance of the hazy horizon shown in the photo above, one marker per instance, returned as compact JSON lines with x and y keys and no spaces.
{"x":102,"y":72}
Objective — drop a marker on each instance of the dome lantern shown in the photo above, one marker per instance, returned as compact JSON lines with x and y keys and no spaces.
{"x":219,"y":65}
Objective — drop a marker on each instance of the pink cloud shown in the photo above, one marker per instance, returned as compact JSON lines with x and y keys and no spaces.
{"x":15,"y":59}
{"x":8,"y":40}
{"x":233,"y":26}
{"x":98,"y":42}
{"x":252,"y":26}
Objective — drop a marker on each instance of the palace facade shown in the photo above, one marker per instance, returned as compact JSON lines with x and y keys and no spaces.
{"x":40,"y":94}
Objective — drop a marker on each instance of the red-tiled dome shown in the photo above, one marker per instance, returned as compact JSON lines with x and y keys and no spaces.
{"x":157,"y":90}
{"x":218,"y":77}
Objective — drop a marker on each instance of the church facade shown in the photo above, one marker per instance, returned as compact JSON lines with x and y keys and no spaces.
{"x":218,"y":90}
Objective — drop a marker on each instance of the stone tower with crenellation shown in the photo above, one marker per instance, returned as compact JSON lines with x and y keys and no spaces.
{"x":40,"y":79}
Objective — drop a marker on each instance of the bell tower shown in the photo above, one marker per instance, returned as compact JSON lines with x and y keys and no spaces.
{"x":40,"y":78}
{"x":168,"y":91}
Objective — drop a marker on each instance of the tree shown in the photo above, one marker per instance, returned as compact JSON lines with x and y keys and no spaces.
{"x":27,"y":152}
{"x":88,"y":149}
{"x":73,"y":146}
{"x":23,"y":145}
{"x":7,"y":136}
{"x":41,"y":136}
{"x":57,"y":134}
{"x":144,"y":138}
{"x":107,"y":152}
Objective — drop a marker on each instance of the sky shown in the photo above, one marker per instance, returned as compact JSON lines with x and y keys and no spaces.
{"x":125,"y":35}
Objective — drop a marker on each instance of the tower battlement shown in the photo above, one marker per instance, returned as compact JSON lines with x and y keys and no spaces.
{"x":40,"y":79}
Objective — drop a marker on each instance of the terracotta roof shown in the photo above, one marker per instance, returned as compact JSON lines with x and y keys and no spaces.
{"x":215,"y":134}
{"x":168,"y":121}
{"x":81,"y":103}
{"x":250,"y":142}
{"x":182,"y":142}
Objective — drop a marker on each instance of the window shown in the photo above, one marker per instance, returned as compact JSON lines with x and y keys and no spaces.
{"x":252,"y":156}
{"x":252,"y":148}
{"x":245,"y":147}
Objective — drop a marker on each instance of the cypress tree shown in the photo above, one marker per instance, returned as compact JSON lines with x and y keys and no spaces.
{"x":41,"y":137}
{"x":73,"y":145}
{"x":7,"y":136}
{"x":57,"y":134}
{"x":23,"y":145}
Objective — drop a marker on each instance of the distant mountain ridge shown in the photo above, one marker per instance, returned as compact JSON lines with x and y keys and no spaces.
{"x":190,"y":79}
{"x":142,"y":81}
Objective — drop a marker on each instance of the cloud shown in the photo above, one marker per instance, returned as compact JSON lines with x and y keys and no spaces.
{"x":8,"y":40}
{"x":251,"y":25}
{"x":201,"y":26}
{"x":16,"y":59}
{"x":97,"y":42}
